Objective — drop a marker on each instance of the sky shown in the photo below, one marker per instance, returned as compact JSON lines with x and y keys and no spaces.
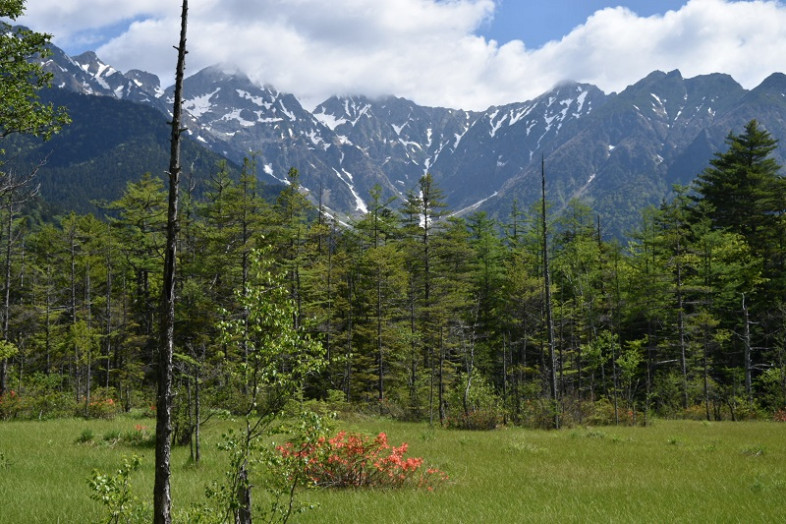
{"x":469,"y":54}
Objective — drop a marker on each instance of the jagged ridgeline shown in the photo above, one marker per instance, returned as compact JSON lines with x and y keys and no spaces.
{"x":618,"y":153}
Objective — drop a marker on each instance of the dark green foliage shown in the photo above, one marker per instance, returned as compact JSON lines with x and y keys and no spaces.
{"x":421,"y":315}
{"x":742,"y":188}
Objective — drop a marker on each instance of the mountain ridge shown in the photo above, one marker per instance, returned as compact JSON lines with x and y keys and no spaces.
{"x":617,"y":152}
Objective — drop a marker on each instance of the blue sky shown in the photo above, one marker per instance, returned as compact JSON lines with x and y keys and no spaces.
{"x":536,"y":22}
{"x":456,"y":53}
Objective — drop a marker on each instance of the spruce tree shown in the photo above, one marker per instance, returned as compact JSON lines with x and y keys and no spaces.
{"x":740,"y":186}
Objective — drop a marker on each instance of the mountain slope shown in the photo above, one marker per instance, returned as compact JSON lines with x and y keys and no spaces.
{"x":109,"y":143}
{"x":618,"y":152}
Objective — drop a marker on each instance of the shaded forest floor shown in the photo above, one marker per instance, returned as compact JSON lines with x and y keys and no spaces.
{"x":670,"y":471}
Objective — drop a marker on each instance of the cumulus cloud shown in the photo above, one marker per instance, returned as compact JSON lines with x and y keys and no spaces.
{"x":425,"y":50}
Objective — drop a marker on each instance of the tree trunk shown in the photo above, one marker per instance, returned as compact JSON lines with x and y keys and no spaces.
{"x":7,"y":293}
{"x":681,"y":329}
{"x":108,"y":308}
{"x":198,"y":410}
{"x":747,"y":348}
{"x":89,"y":347}
{"x":162,"y":498}
{"x":547,"y":300}
{"x":243,"y":513}
{"x":441,"y":398}
{"x":77,"y":374}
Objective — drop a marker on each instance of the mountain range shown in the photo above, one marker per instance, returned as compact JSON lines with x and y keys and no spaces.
{"x":617,"y":152}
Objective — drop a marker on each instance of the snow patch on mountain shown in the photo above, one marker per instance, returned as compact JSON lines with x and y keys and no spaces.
{"x":200,"y":105}
{"x":473,"y":207}
{"x":580,"y":102}
{"x":289,"y":114}
{"x":346,"y":177}
{"x":330,"y":121}
{"x":256,"y":100}
{"x":236,"y":115}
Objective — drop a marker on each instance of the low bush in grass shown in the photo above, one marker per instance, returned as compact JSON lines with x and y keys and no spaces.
{"x":86,"y":436}
{"x":5,"y":462}
{"x":603,"y":413}
{"x":477,"y":419}
{"x":42,"y":397}
{"x":354,"y":460}
{"x":140,"y":436}
{"x":535,"y":413}
{"x":474,"y":407}
{"x":43,"y":406}
{"x":105,"y":408}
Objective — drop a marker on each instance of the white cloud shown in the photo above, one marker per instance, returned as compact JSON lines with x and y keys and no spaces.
{"x":425,"y":50}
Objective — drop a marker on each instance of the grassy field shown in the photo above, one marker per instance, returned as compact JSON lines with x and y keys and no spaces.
{"x":671,"y":471}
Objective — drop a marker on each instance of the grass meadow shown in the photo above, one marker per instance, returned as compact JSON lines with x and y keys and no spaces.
{"x":670,"y":471}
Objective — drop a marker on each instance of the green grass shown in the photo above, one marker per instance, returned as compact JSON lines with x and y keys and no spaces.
{"x":672,"y":471}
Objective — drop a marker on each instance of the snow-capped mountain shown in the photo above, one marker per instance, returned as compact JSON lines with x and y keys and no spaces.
{"x":504,"y":141}
{"x":617,"y":152}
{"x":402,"y":140}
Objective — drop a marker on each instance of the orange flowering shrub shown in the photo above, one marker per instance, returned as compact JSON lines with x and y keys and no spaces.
{"x":9,"y":404}
{"x":103,"y":408}
{"x":357,"y":460}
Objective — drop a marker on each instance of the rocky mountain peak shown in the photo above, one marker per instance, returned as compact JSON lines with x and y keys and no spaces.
{"x":618,"y":152}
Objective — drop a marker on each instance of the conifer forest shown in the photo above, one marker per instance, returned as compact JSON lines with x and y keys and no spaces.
{"x":418,"y":314}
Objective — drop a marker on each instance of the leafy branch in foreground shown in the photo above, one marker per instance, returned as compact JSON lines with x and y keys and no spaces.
{"x":275,"y":358}
{"x":114,"y":492}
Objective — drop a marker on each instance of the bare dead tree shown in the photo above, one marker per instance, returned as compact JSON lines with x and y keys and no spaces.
{"x":547,"y":299}
{"x":162,"y":497}
{"x":15,"y":190}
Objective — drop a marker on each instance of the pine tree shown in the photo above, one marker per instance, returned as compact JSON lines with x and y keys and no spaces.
{"x":421,"y":215}
{"x":740,"y":186}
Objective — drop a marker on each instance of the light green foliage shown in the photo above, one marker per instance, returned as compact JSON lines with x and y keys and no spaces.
{"x":277,"y":358}
{"x":21,"y":78}
{"x":113,"y":491}
{"x":277,"y":355}
{"x":7,"y":349}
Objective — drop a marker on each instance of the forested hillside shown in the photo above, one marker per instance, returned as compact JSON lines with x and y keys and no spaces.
{"x":421,"y":315}
{"x":108,"y":143}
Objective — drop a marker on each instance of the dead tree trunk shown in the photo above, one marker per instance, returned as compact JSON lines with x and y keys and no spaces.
{"x":746,"y":339}
{"x":162,"y":497}
{"x":547,"y":300}
{"x":13,"y":194}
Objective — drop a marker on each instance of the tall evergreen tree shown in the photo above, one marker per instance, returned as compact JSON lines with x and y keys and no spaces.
{"x":741,"y":184}
{"x":421,"y":215}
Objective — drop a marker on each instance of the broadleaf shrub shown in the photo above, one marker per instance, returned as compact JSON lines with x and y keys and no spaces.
{"x":353,"y":460}
{"x":105,"y":408}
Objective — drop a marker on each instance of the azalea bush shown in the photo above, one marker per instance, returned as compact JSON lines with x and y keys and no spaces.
{"x":105,"y":408}
{"x":9,"y":404}
{"x":41,"y":397}
{"x":353,"y":460}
